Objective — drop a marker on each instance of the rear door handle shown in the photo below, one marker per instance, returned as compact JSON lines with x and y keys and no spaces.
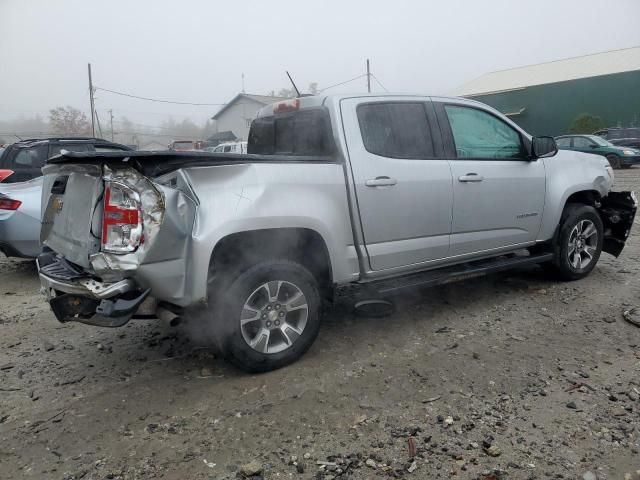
{"x":381,"y":182}
{"x":471,"y":177}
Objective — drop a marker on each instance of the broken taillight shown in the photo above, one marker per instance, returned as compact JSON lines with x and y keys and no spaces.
{"x":7,"y":203}
{"x":121,"y":219}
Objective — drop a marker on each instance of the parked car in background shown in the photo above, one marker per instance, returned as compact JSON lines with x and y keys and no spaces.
{"x":623,"y":137}
{"x":384,"y":191}
{"x":619,"y":157}
{"x":26,"y":157}
{"x":182,"y":145}
{"x":231,"y":147}
{"x":20,"y":218}
{"x":21,"y":190}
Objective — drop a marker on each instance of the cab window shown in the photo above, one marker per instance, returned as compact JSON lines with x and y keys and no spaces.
{"x":396,"y":130}
{"x":303,"y":133}
{"x":478,"y":134}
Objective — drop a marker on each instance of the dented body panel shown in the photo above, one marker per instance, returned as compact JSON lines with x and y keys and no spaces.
{"x":193,"y":202}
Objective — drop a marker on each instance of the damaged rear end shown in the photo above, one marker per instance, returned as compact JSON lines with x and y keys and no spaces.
{"x":107,"y":229}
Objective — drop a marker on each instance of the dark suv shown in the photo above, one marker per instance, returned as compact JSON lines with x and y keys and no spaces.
{"x":26,"y":158}
{"x":622,"y":137}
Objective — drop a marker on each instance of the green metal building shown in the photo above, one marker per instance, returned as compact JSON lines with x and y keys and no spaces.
{"x":547,"y":98}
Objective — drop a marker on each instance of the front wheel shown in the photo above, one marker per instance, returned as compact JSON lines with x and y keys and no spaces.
{"x":579,"y":242}
{"x":614,"y":161}
{"x":269,"y":315}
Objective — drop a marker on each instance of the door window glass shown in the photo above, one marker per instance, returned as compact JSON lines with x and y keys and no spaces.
{"x":30,"y":157}
{"x":563,"y":142}
{"x":581,"y":142}
{"x":72,"y":147}
{"x":396,"y":130}
{"x":478,"y":134}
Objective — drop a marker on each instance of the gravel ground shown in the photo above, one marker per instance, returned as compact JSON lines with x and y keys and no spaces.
{"x":508,"y":376}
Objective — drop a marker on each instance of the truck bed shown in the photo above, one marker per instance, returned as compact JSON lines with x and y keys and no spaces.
{"x":153,"y":164}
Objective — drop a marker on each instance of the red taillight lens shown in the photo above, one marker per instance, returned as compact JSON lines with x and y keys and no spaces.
{"x":4,"y":174}
{"x":9,"y":204}
{"x":121,"y":219}
{"x":287,"y":106}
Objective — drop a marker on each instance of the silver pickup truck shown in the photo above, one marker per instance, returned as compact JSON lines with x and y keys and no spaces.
{"x":386,"y":191}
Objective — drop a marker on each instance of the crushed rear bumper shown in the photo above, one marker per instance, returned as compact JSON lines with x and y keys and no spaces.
{"x":75,"y":296}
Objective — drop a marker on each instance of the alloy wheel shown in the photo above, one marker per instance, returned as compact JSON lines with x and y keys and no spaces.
{"x":274,"y":316}
{"x":583,"y":244}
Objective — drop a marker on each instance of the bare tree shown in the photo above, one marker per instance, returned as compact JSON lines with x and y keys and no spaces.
{"x":68,"y":121}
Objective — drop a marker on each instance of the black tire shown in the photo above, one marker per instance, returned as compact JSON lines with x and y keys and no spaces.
{"x":561,"y":266}
{"x":614,"y":161}
{"x":228,"y":306}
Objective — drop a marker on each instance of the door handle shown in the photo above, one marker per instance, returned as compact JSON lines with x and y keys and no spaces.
{"x":381,"y":182}
{"x":471,"y":177}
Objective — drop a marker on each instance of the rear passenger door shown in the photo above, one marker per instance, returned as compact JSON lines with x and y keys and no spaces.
{"x":498,"y":193}
{"x":402,"y":183}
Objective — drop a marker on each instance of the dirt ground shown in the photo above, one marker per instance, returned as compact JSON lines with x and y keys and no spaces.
{"x":508,"y":376}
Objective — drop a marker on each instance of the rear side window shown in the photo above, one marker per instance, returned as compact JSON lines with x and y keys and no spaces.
{"x":396,"y":130}
{"x":304,"y":133}
{"x":71,"y":147}
{"x":563,"y":142}
{"x":30,"y":157}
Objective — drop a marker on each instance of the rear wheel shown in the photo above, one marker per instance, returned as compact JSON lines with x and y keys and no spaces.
{"x":579,"y":242}
{"x":268,"y":316}
{"x":614,"y":161}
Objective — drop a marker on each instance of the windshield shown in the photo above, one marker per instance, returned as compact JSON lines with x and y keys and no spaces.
{"x":600,"y":141}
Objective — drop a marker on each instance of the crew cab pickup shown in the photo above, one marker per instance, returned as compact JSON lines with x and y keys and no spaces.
{"x":386,"y":191}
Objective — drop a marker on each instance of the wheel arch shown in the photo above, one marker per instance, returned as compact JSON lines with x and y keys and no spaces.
{"x":240,"y":250}
{"x":582,"y":197}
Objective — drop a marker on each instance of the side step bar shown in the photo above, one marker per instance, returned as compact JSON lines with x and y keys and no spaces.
{"x":456,"y":273}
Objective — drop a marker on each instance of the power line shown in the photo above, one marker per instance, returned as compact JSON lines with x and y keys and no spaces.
{"x":124,"y":122}
{"x":342,"y":83}
{"x":159,"y":100}
{"x":378,"y":82}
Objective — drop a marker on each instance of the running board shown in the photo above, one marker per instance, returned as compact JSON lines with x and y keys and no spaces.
{"x":456,"y":273}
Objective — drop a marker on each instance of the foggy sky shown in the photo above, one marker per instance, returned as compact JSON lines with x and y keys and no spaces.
{"x":196,"y":51}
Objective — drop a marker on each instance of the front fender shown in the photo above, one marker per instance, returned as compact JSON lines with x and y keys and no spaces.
{"x":569,"y":173}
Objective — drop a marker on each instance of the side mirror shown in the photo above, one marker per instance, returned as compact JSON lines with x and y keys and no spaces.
{"x":593,"y":145}
{"x":542,"y":147}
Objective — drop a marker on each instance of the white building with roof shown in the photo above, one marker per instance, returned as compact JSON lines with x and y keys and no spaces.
{"x":237,"y":115}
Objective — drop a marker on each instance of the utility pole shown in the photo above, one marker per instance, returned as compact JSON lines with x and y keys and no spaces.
{"x":111,"y":115}
{"x":368,"y":77}
{"x":93,"y":108}
{"x":243,"y":82}
{"x":99,"y":126}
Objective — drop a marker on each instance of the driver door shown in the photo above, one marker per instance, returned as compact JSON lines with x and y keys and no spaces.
{"x":498,"y":193}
